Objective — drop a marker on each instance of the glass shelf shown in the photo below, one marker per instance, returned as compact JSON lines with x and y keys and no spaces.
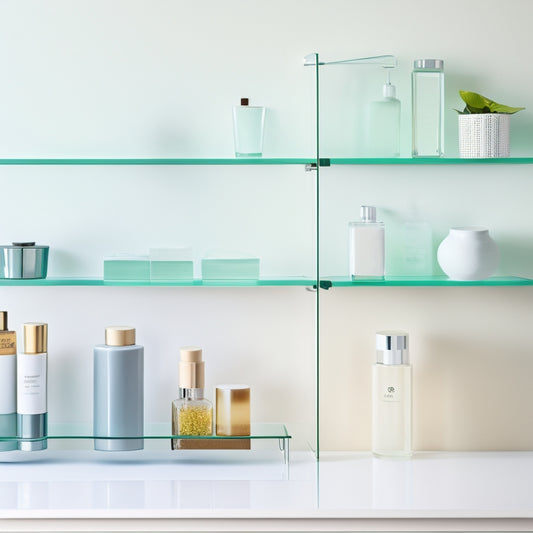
{"x":160,"y":161}
{"x":99,"y":282}
{"x":157,"y":431}
{"x":427,"y":161}
{"x":428,"y":281}
{"x":324,"y":162}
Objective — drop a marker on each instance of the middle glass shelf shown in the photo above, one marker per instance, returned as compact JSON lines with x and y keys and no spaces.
{"x":423,"y":281}
{"x":95,"y":282}
{"x":325,"y":282}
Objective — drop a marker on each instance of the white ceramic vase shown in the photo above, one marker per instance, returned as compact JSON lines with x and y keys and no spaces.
{"x":468,"y":254}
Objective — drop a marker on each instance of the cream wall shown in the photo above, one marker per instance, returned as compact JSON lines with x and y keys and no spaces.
{"x":158,"y":79}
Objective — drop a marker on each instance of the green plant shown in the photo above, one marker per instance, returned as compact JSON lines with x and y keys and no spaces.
{"x":476,"y":103}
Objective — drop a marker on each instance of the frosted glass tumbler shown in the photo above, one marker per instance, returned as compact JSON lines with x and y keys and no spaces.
{"x":248,"y":125}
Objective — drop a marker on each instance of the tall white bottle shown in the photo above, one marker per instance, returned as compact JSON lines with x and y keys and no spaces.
{"x":366,"y":243}
{"x":8,"y":385}
{"x":391,"y":395}
{"x":32,"y":416}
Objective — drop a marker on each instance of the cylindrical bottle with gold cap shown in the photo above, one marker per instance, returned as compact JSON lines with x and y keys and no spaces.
{"x":8,"y":385}
{"x":32,"y":411}
{"x":119,"y":391}
{"x":192,"y":414}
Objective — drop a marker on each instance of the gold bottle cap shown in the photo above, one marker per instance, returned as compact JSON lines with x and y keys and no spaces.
{"x":119,"y":336}
{"x":3,"y":320}
{"x":35,"y":337}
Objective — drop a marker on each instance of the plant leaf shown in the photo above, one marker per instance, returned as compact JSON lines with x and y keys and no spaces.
{"x":477,"y":103}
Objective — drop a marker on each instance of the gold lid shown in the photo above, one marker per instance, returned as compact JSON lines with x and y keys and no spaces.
{"x":191,"y":368}
{"x":119,"y":336}
{"x":35,"y":337}
{"x":3,"y":320}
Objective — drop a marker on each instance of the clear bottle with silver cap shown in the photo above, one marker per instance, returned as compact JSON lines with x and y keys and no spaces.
{"x":32,"y":409}
{"x":119,"y":391}
{"x":391,"y":395}
{"x":366,"y":245}
{"x":192,"y":414}
{"x":428,"y":107}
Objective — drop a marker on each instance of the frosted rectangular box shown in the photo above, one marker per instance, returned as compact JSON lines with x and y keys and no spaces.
{"x":167,"y":264}
{"x":228,"y":267}
{"x":127,"y":268}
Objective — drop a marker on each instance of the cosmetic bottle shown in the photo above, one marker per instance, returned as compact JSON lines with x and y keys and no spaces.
{"x":428,"y":107}
{"x":192,"y":414}
{"x":32,"y":416}
{"x":248,"y":125}
{"x":391,"y":395}
{"x":384,"y":124}
{"x":367,"y":245}
{"x":119,"y":391}
{"x":8,"y":385}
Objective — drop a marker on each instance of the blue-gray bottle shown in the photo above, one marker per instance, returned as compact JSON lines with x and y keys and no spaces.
{"x":118,"y":391}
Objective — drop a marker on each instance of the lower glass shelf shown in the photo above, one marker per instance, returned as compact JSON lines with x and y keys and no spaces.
{"x":156,"y":431}
{"x":95,"y":282}
{"x":422,"y":281}
{"x":160,"y":432}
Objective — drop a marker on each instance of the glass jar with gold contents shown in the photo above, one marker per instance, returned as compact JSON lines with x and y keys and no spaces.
{"x":192,"y":414}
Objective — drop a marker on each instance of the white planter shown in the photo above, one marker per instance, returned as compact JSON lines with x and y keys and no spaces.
{"x":468,"y":254}
{"x":484,"y":135}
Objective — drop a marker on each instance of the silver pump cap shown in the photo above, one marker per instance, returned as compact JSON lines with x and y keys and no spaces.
{"x":429,"y":64}
{"x":368,"y":213}
{"x":392,"y":347}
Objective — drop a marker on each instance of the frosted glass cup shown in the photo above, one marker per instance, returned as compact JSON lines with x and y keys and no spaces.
{"x":248,"y":125}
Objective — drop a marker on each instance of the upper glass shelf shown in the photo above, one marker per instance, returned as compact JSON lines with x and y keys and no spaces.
{"x":262,"y":282}
{"x":160,"y":161}
{"x":427,"y":281}
{"x":424,"y":161}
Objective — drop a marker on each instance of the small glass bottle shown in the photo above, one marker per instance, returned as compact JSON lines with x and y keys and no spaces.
{"x":192,"y":414}
{"x":367,"y":245}
{"x":428,"y":108}
{"x":248,"y":125}
{"x":391,"y":395}
{"x":384,"y":124}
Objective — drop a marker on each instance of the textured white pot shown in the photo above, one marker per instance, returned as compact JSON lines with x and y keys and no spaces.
{"x":484,"y":135}
{"x":468,"y":254}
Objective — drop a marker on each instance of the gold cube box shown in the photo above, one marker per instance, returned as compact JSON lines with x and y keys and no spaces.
{"x":233,"y":414}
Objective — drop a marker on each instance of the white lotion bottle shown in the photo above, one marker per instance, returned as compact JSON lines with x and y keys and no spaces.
{"x":366,"y":245}
{"x":8,"y":385}
{"x":391,"y":396}
{"x":32,"y":416}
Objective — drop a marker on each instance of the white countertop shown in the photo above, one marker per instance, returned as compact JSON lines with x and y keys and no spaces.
{"x":148,"y":484}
